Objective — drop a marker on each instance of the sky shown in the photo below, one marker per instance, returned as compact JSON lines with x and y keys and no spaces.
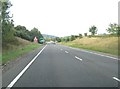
{"x":65,"y":17}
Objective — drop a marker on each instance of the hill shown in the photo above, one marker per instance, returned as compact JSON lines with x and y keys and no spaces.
{"x":48,"y":36}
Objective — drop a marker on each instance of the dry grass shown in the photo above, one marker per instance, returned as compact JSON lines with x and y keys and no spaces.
{"x":111,"y":42}
{"x":19,"y":43}
{"x":23,"y":42}
{"x":102,"y":44}
{"x":18,"y":49}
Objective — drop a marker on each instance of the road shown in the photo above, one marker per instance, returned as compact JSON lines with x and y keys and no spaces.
{"x":62,"y":66}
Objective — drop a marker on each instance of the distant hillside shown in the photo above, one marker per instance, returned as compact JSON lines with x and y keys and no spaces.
{"x":48,"y":36}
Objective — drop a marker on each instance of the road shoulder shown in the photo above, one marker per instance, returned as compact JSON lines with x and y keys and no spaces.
{"x":15,"y":62}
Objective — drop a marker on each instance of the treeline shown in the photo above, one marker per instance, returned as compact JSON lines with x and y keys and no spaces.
{"x":113,"y":30}
{"x":9,"y":31}
{"x":22,"y":32}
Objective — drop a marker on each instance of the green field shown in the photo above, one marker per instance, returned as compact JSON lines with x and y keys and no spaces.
{"x":101,"y":44}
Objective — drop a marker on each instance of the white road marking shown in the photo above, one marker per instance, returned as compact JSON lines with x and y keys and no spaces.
{"x":95,"y":53}
{"x":116,"y":79}
{"x":78,"y":58}
{"x":66,"y":52}
{"x":23,"y":71}
{"x":61,"y":49}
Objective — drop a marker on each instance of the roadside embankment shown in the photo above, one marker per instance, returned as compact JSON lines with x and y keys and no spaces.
{"x":11,"y":52}
{"x":101,"y":44}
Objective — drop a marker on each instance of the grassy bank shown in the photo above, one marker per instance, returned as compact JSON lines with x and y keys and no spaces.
{"x":101,"y":44}
{"x":0,"y":58}
{"x":14,"y":51}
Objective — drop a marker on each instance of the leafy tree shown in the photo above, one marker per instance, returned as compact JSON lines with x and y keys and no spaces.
{"x":67,"y":39}
{"x":0,"y":33}
{"x":93,"y":30}
{"x":58,"y":39}
{"x":63,"y":39}
{"x":113,"y":29}
{"x":0,"y":17}
{"x":72,"y":37}
{"x":20,"y":28}
{"x":7,"y":24}
{"x":35,"y":32}
{"x":80,"y":35}
{"x":22,"y":32}
{"x":85,"y":34}
{"x":76,"y":36}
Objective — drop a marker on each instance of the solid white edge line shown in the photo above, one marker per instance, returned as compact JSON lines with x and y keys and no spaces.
{"x":23,"y":71}
{"x":66,"y":51}
{"x":78,"y":58}
{"x":116,"y":79}
{"x":95,"y":53}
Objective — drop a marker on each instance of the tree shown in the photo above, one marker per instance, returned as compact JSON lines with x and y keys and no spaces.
{"x":7,"y":24}
{"x":72,"y":37}
{"x":76,"y":36}
{"x":113,"y":29}
{"x":93,"y":30}
{"x":85,"y":34}
{"x":67,"y":39}
{"x":21,"y":31}
{"x":80,"y":36}
{"x":58,"y":39}
{"x":35,"y":32}
{"x":63,"y":39}
{"x":0,"y":17}
{"x":5,"y":19}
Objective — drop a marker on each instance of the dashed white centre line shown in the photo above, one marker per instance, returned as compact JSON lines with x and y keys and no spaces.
{"x":78,"y":58}
{"x":66,"y":52}
{"x":94,"y":53}
{"x":61,"y":49}
{"x":116,"y":79}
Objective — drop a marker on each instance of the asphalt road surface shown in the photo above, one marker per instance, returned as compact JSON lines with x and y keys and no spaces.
{"x":56,"y":65}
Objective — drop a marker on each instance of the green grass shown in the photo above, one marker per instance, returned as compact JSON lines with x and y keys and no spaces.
{"x":107,"y":45}
{"x":0,"y":58}
{"x":13,"y":54}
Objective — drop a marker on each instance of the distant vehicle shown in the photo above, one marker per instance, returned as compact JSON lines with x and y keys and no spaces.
{"x":41,"y":40}
{"x":51,"y":42}
{"x":54,"y":43}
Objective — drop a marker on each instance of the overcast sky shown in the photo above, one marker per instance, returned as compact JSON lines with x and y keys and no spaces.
{"x":65,"y":17}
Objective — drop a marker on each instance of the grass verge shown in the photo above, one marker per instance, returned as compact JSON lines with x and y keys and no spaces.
{"x":107,"y":45}
{"x":13,"y":54}
{"x":0,"y":58}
